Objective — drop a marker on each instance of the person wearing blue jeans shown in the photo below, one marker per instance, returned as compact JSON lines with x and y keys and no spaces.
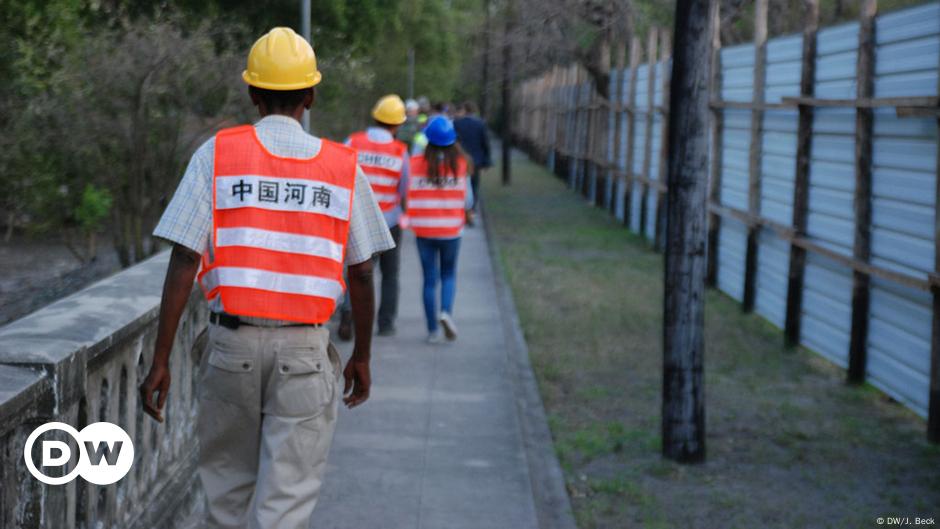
{"x":439,"y":264}
{"x":439,"y":197}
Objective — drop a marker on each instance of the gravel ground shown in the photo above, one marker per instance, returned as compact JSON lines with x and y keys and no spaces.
{"x":36,"y":272}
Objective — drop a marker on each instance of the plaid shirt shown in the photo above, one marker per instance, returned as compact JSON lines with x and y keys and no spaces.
{"x":188,"y":218}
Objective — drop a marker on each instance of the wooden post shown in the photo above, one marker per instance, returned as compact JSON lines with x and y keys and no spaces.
{"x":683,"y":415}
{"x":717,"y":133}
{"x":584,"y":103}
{"x":545,"y":92}
{"x":933,"y":406}
{"x":601,"y":131}
{"x":600,"y":152}
{"x":616,"y":108}
{"x":864,"y":122}
{"x":574,"y":129}
{"x":594,"y":141}
{"x":651,"y":50}
{"x":564,"y":144}
{"x":487,"y":35}
{"x":587,"y":172}
{"x":564,"y":109}
{"x":507,"y":94}
{"x":551,"y":115}
{"x":659,"y":231}
{"x":804,"y":144}
{"x":631,"y":132}
{"x":576,"y":134}
{"x":537,"y":120}
{"x":755,"y":153}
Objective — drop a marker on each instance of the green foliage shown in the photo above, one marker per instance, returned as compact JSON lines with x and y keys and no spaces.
{"x":93,"y":208}
{"x":104,"y":102}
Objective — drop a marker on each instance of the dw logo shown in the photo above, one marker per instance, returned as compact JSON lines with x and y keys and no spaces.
{"x":105,"y":453}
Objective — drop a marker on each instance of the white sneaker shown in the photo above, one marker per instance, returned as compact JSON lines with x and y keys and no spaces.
{"x":435,"y":338}
{"x":450,"y":328}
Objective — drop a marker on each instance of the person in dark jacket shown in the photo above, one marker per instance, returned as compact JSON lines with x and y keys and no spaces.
{"x":475,"y":141}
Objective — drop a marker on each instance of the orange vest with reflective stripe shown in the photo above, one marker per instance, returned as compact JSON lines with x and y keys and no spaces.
{"x":382,"y":164}
{"x":436,"y":211}
{"x":279,"y":229}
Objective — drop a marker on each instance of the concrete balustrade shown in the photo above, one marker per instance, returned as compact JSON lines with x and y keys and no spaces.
{"x":80,"y":360}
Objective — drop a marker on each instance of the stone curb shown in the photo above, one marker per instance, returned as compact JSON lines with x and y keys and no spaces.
{"x":552,"y":504}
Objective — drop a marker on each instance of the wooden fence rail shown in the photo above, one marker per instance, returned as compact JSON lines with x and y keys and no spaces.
{"x":607,"y":151}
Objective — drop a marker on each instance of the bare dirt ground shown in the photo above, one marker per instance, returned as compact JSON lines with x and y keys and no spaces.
{"x":790,"y":445}
{"x":35,"y":272}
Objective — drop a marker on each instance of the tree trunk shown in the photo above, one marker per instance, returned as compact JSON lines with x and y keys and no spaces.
{"x":839,"y":10}
{"x":121,"y":239}
{"x":92,"y":246}
{"x":507,"y":92}
{"x":683,"y":419}
{"x":11,"y":218}
{"x":485,"y":74}
{"x":138,"y":234}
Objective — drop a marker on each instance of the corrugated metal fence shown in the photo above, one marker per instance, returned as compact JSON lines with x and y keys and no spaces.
{"x":850,"y":237}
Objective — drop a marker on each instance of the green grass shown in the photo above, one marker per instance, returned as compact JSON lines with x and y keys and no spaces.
{"x":789,"y":444}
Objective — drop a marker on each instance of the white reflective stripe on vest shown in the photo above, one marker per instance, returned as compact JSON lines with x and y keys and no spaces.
{"x":433,"y":203}
{"x":279,"y":241}
{"x":385,"y":197}
{"x":229,"y":276}
{"x":282,"y":194}
{"x":380,"y":159}
{"x":382,"y":180}
{"x":436,"y":222}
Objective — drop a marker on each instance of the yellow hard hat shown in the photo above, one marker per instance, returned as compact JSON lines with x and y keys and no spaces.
{"x":389,"y":110}
{"x":281,"y":60}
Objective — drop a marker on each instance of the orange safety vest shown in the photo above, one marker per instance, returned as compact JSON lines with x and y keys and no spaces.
{"x":436,"y":211}
{"x":383,"y":164}
{"x":279,"y":229}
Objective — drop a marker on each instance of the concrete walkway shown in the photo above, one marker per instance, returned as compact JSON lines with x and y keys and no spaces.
{"x":439,"y":444}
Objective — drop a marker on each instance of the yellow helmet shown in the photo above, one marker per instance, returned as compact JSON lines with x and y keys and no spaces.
{"x":389,"y":110}
{"x":281,"y":60}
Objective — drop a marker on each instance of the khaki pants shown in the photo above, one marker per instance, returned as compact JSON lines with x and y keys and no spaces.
{"x":267,"y":412}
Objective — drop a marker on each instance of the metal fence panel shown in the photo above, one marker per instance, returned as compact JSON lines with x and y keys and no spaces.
{"x":903,"y":172}
{"x":732,"y":241}
{"x":903,"y":181}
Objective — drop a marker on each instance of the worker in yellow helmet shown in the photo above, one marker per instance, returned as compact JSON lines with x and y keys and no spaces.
{"x":384,"y":160}
{"x":271,"y":215}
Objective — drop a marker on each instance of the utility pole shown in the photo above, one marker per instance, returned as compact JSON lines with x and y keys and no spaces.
{"x":411,"y":73}
{"x":683,"y":414}
{"x":305,"y":31}
{"x":484,"y":89}
{"x":507,"y":91}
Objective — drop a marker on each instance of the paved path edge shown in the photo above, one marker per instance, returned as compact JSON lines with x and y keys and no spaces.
{"x":553,"y":506}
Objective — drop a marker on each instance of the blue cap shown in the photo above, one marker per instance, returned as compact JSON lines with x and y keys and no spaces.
{"x":440,"y":131}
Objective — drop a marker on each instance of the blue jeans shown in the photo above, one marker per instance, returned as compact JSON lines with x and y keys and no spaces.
{"x":439,"y":263}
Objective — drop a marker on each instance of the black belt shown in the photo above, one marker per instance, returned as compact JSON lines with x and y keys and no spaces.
{"x":233,"y":322}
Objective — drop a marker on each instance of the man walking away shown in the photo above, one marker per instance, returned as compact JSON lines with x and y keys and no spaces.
{"x":473,"y":137}
{"x":409,"y":128}
{"x":385,"y":163}
{"x":269,"y":211}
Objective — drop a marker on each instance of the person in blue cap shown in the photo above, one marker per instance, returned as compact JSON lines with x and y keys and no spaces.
{"x":438,"y":201}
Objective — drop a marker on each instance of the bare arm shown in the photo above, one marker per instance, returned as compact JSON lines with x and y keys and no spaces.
{"x":358,"y":379}
{"x":184,"y":263}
